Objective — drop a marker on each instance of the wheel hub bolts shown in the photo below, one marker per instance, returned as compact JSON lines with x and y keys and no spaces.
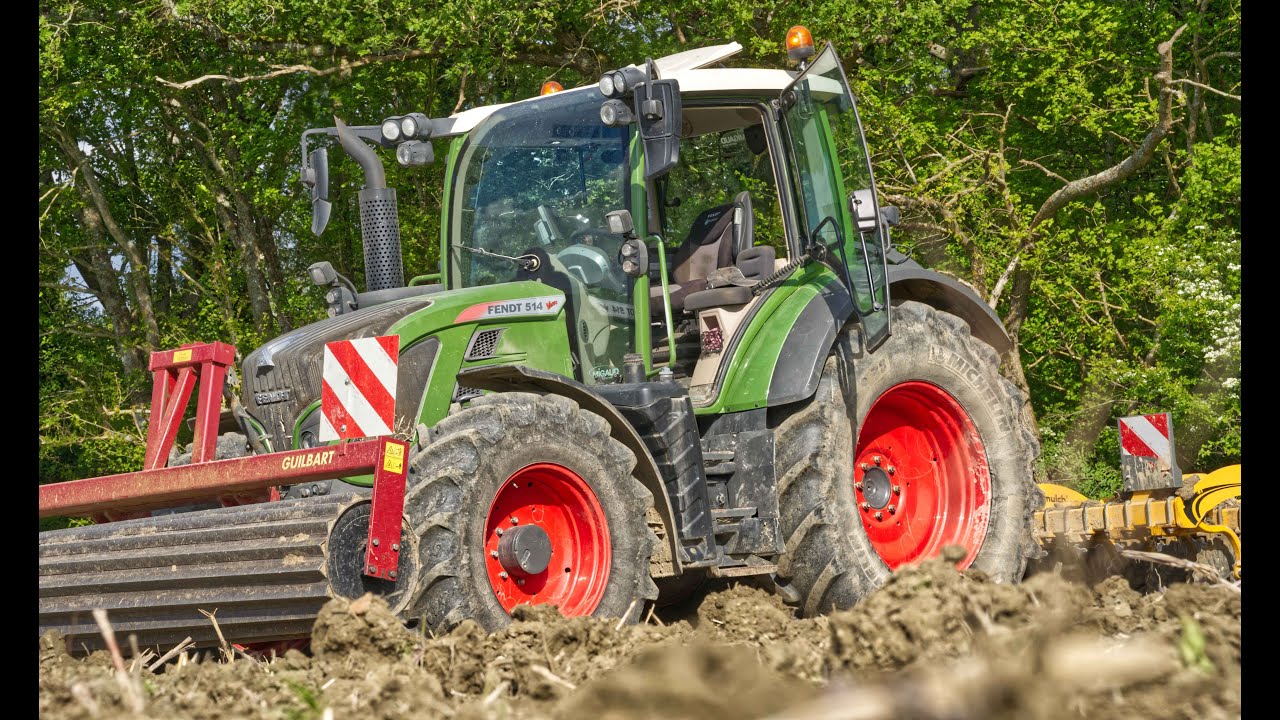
{"x":879,"y":515}
{"x":876,"y":487}
{"x":866,"y":506}
{"x":892,"y":509}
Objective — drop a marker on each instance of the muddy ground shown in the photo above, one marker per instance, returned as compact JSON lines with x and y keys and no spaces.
{"x":932,"y":643}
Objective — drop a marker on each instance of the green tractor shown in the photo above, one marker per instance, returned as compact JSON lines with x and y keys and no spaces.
{"x":669,"y":340}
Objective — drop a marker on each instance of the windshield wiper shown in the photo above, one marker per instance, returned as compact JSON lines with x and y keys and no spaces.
{"x":528,"y":263}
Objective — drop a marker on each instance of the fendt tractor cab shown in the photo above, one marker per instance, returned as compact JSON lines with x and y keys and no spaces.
{"x":668,"y":339}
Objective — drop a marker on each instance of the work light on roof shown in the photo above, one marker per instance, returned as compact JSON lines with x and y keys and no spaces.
{"x":391,"y":129}
{"x":617,"y":83}
{"x":551,"y":86}
{"x":415,"y":125}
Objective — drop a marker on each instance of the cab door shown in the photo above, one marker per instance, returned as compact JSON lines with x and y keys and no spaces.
{"x":831,"y":173}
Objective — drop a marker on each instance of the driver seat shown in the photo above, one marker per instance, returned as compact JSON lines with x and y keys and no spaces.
{"x":714,"y":241}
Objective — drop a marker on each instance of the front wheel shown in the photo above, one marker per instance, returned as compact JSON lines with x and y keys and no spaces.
{"x":524,"y":499}
{"x":941,"y":457}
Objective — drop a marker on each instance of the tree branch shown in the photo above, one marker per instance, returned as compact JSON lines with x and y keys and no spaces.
{"x":1044,"y":169}
{"x":1097,"y":182}
{"x":1077,"y":189}
{"x":1206,"y":87}
{"x":344,"y":66}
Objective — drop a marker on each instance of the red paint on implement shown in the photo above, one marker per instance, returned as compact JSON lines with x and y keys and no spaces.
{"x":940,"y":468}
{"x":559,"y":501}
{"x":166,"y":487}
{"x":174,"y":374}
{"x":385,"y":518}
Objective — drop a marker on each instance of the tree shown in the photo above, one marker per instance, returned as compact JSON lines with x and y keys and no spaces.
{"x":1077,"y":163}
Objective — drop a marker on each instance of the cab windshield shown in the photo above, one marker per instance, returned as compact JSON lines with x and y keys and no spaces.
{"x":537,"y":178}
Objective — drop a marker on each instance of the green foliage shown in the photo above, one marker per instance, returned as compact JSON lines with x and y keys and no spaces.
{"x":310,"y":702}
{"x":975,"y":114}
{"x":1191,"y":645}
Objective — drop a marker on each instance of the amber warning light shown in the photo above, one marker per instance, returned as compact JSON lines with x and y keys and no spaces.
{"x":551,"y":86}
{"x":799,"y":43}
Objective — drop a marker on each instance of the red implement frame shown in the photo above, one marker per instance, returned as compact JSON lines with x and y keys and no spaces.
{"x":176,"y":373}
{"x":156,"y":486}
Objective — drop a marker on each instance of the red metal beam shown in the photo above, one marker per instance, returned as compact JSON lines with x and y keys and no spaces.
{"x":165,"y":487}
{"x":382,"y":553}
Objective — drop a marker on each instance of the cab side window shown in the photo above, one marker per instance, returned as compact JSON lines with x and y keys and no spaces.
{"x":714,"y":168}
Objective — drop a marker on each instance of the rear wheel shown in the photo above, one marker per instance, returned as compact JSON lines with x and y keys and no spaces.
{"x":942,"y":457}
{"x":526,"y":499}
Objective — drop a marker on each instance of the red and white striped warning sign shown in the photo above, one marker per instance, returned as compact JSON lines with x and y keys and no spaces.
{"x":358,"y":396}
{"x":1147,"y":436}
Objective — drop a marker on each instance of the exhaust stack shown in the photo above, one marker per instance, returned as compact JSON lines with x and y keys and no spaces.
{"x":379,"y":217}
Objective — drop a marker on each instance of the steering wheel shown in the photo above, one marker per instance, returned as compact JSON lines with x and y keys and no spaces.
{"x":588,"y":262}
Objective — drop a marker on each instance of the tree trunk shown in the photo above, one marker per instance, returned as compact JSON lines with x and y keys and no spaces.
{"x":1012,"y":360}
{"x":101,"y":279}
{"x":138,"y":275}
{"x":255,"y":282}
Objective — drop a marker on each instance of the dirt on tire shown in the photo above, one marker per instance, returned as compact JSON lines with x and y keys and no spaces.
{"x":930,"y":643}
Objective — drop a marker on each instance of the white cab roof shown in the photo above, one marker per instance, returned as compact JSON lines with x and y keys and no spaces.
{"x":684,"y":67}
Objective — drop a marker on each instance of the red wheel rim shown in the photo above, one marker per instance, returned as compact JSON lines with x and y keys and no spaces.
{"x":921,"y":478}
{"x":557,"y":500}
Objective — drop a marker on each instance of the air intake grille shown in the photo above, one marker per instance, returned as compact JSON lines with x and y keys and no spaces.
{"x":484,"y":344}
{"x":462,"y":393}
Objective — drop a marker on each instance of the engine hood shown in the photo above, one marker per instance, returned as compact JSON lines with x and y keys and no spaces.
{"x":282,"y":378}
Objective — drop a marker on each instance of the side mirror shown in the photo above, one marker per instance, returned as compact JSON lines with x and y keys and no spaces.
{"x":316,"y":174}
{"x":657,"y":105}
{"x":891,"y":215}
{"x":862,"y":208}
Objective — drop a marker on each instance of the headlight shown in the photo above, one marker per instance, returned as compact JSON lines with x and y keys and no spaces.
{"x":408,"y":126}
{"x":606,"y":85}
{"x":391,"y":129}
{"x":414,"y":152}
{"x":615,"y":113}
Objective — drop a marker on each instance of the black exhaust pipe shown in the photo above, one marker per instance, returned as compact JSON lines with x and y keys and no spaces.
{"x":379,"y":218}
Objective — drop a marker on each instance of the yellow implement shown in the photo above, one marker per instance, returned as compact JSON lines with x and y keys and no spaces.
{"x":1147,"y":513}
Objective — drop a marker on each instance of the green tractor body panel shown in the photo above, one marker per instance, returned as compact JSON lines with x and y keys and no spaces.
{"x":528,"y":319}
{"x":762,"y":357}
{"x":532,"y":334}
{"x":455,"y":147}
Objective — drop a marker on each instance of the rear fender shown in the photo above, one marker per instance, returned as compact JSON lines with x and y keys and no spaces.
{"x":910,"y":281}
